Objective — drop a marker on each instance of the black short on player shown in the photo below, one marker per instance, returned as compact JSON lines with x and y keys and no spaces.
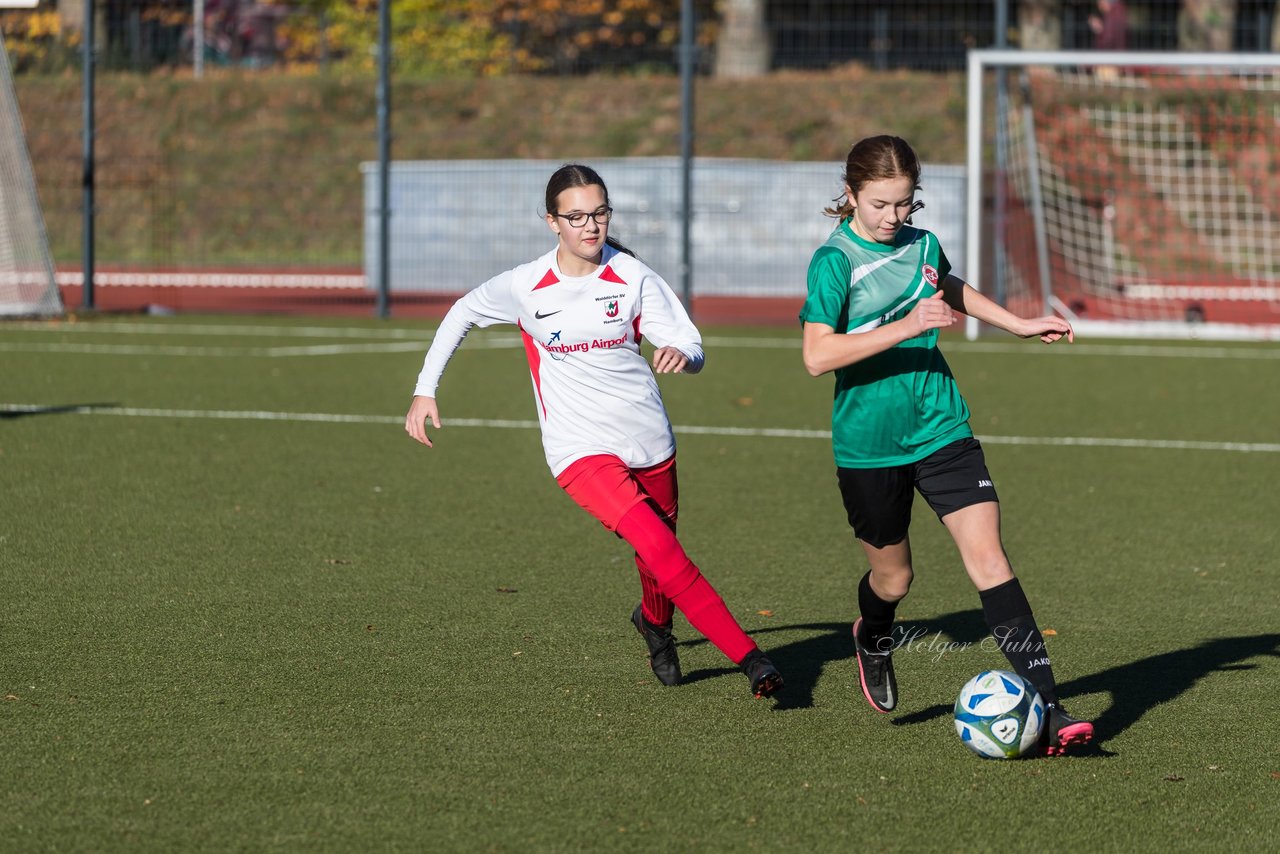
{"x":879,"y":500}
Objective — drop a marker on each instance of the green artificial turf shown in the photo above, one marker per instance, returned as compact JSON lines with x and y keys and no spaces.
{"x":226,"y":631}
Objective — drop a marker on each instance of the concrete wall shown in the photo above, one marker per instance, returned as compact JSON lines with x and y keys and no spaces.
{"x":455,"y":224}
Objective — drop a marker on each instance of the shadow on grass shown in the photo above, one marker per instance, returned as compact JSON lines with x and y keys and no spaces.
{"x":1139,"y":685}
{"x":66,"y":409}
{"x":1133,"y":688}
{"x":802,"y":662}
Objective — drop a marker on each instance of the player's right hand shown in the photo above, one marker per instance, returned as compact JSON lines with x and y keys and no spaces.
{"x":931,"y":313}
{"x":415,"y":422}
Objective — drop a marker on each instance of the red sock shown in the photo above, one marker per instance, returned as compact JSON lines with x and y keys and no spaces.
{"x":654,"y":604}
{"x":706,"y":612}
{"x":681,"y":581}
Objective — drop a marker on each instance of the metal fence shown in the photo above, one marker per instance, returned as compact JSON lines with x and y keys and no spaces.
{"x":733,"y":36}
{"x":177,"y":197}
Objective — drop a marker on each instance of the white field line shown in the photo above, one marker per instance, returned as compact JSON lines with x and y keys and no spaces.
{"x":229,"y":330}
{"x":252,"y":352}
{"x":1034,"y":348}
{"x":1143,"y":350}
{"x":422,"y":338}
{"x":209,"y":352}
{"x":205,"y":279}
{"x":734,"y":432}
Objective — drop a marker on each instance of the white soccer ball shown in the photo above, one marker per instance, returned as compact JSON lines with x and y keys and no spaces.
{"x":999,"y":715}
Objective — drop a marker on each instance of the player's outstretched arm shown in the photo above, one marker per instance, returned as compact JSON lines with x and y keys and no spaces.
{"x":1050,"y":329}
{"x":422,"y":409}
{"x":964,"y":298}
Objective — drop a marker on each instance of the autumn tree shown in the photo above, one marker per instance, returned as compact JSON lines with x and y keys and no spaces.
{"x":742,"y":49}
{"x":575,"y":35}
{"x":428,"y":37}
{"x":436,"y":37}
{"x":39,"y":39}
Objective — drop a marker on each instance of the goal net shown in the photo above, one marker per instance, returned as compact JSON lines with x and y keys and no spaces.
{"x":1137,"y":194}
{"x":27,"y":282}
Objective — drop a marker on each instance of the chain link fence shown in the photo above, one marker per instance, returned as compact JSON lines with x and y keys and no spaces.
{"x":254,"y":165}
{"x":586,"y":36}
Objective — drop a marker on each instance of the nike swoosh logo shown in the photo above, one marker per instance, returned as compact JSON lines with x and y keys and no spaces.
{"x":542,"y":316}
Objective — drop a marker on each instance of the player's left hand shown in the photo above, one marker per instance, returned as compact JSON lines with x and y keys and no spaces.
{"x":669,"y":360}
{"x":1050,"y":329}
{"x":422,"y":411}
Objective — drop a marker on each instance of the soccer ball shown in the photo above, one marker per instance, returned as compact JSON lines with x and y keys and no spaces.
{"x":999,"y":715}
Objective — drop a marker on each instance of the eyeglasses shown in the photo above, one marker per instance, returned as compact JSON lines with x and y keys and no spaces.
{"x":579,"y":219}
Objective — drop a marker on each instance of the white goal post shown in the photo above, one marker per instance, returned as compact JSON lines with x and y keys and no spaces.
{"x":28,"y":287}
{"x":1135,"y":193}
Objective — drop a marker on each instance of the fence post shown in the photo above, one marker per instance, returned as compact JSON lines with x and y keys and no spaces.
{"x":87,"y":176}
{"x":384,"y":158}
{"x":686,"y":152}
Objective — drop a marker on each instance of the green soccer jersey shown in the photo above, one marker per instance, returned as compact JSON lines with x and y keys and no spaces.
{"x":901,"y":405}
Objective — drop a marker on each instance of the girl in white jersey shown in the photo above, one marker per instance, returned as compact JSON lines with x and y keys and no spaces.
{"x":582,"y":310}
{"x":879,"y":291}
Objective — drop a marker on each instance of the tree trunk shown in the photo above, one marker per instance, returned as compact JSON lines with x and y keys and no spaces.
{"x":71,"y":20}
{"x":1040,"y":24}
{"x":1206,"y":25}
{"x":742,"y":49}
{"x":71,"y":16}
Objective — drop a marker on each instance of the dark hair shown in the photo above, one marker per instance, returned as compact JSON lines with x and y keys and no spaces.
{"x":573,"y":175}
{"x":876,"y":158}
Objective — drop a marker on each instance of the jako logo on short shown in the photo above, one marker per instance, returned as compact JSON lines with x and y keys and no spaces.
{"x":611,"y":310}
{"x":930,"y":275}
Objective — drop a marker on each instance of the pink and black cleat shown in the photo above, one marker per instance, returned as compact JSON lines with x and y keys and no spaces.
{"x":875,"y":673}
{"x":1061,"y":731}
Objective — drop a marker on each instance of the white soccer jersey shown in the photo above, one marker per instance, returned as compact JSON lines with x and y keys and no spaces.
{"x":594,"y":391}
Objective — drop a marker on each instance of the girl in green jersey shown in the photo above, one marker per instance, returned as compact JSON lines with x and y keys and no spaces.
{"x":878,"y":292}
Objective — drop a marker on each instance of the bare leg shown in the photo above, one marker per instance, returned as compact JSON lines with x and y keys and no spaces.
{"x":891,"y":572}
{"x":976,"y":530}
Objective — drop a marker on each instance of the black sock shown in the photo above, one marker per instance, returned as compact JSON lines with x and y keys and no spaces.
{"x":1012,"y":625}
{"x":877,"y":615}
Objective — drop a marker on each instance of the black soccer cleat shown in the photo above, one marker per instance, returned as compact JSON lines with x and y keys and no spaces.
{"x":662,"y":648}
{"x":1061,"y":731}
{"x":875,"y":673}
{"x":765,"y":678}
